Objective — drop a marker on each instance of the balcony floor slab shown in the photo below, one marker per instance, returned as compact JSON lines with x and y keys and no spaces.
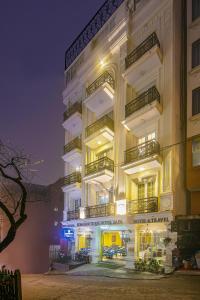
{"x":152,"y":59}
{"x":102,"y":176}
{"x":142,"y":165}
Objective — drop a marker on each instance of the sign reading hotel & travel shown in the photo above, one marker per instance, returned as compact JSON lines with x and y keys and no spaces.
{"x":152,"y":220}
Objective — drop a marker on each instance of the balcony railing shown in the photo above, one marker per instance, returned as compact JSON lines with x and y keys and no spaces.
{"x":105,"y":121}
{"x":145,"y":98}
{"x":99,"y":165}
{"x":140,"y":206}
{"x":73,"y":215}
{"x":145,"y":46}
{"x":72,"y":178}
{"x":76,"y":107}
{"x":102,"y":210}
{"x":74,"y":144}
{"x":105,"y":77}
{"x":142,"y":151}
{"x":90,"y":30}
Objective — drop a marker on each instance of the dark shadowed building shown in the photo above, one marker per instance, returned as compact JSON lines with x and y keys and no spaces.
{"x":30,"y":250}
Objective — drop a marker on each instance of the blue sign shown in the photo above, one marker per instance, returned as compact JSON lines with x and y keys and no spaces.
{"x":68,"y":233}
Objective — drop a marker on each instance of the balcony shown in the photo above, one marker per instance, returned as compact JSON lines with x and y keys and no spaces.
{"x":141,"y":206}
{"x":142,"y":157}
{"x":102,"y":210}
{"x":100,"y":94}
{"x":143,"y":59}
{"x":73,"y":118}
{"x":72,"y":215}
{"x":142,"y":109}
{"x":72,"y":152}
{"x":101,"y":170}
{"x":100,"y":132}
{"x":72,"y":182}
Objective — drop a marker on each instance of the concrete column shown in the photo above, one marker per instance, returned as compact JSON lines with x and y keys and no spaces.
{"x":130,"y":248}
{"x":96,"y":245}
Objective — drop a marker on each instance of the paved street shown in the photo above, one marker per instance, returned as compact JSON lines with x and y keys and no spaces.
{"x":61,"y":287}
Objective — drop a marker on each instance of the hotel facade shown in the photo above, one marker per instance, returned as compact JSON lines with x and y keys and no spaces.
{"x":124,"y":152}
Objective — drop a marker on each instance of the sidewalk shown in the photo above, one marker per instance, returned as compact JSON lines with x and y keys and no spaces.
{"x":100,"y":271}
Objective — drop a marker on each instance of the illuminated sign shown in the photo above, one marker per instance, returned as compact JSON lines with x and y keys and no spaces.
{"x":68,"y":233}
{"x":111,"y":222}
{"x":152,"y":220}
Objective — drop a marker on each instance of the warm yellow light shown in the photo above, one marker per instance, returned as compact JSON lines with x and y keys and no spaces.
{"x":142,"y":169}
{"x":127,"y":128}
{"x":121,"y":207}
{"x":99,"y":142}
{"x":102,"y":63}
{"x":82,"y":212}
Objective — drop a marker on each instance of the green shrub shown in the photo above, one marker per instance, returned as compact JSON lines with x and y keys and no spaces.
{"x":151,"y":265}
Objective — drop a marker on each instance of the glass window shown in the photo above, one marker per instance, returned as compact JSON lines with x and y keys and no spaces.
{"x":195,"y":9}
{"x":196,"y":53}
{"x":141,"y":191}
{"x":196,"y":101}
{"x":196,"y":152}
{"x":151,"y":189}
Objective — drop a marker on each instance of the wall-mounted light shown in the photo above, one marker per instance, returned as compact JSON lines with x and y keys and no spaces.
{"x":121,"y":207}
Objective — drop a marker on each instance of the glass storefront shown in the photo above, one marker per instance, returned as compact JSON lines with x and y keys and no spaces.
{"x":84,"y":241}
{"x":113,"y":245}
{"x":150,"y":242}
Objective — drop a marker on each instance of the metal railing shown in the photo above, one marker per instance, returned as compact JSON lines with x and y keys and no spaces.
{"x":145,"y":98}
{"x":73,"y":215}
{"x":142,"y":151}
{"x":72,"y":178}
{"x":76,"y":107}
{"x":140,"y":206}
{"x":105,"y":121}
{"x":10,"y":285}
{"x":99,"y":165}
{"x":105,"y":77}
{"x":74,"y":144}
{"x":139,"y":51}
{"x":102,"y":210}
{"x":90,"y":30}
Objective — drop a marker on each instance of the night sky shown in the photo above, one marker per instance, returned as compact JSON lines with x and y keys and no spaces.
{"x":34,"y":36}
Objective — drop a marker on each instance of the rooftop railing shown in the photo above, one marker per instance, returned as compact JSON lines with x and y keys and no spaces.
{"x":72,"y":178}
{"x":140,"y":206}
{"x":90,"y":30}
{"x":145,"y":98}
{"x":105,"y":121}
{"x":139,"y":51}
{"x":142,"y":151}
{"x":76,"y":107}
{"x":103,"y":78}
{"x":102,"y":210}
{"x":74,"y":144}
{"x":101,"y":164}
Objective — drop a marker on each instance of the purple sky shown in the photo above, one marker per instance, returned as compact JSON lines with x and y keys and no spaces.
{"x":34,"y":36}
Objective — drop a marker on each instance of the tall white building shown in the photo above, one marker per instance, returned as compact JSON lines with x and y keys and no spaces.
{"x":123,"y":152}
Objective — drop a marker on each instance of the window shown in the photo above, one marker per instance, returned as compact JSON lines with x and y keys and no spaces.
{"x":146,"y":138}
{"x":196,"y":53}
{"x":77,"y":203}
{"x":146,"y":188}
{"x":104,"y":196}
{"x":196,"y":152}
{"x":196,"y":101}
{"x":105,"y":153}
{"x":195,"y":9}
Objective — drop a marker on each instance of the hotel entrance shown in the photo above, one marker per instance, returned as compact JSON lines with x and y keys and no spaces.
{"x":113,"y":245}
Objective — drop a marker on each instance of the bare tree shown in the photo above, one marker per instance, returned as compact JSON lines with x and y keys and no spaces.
{"x":13,"y":165}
